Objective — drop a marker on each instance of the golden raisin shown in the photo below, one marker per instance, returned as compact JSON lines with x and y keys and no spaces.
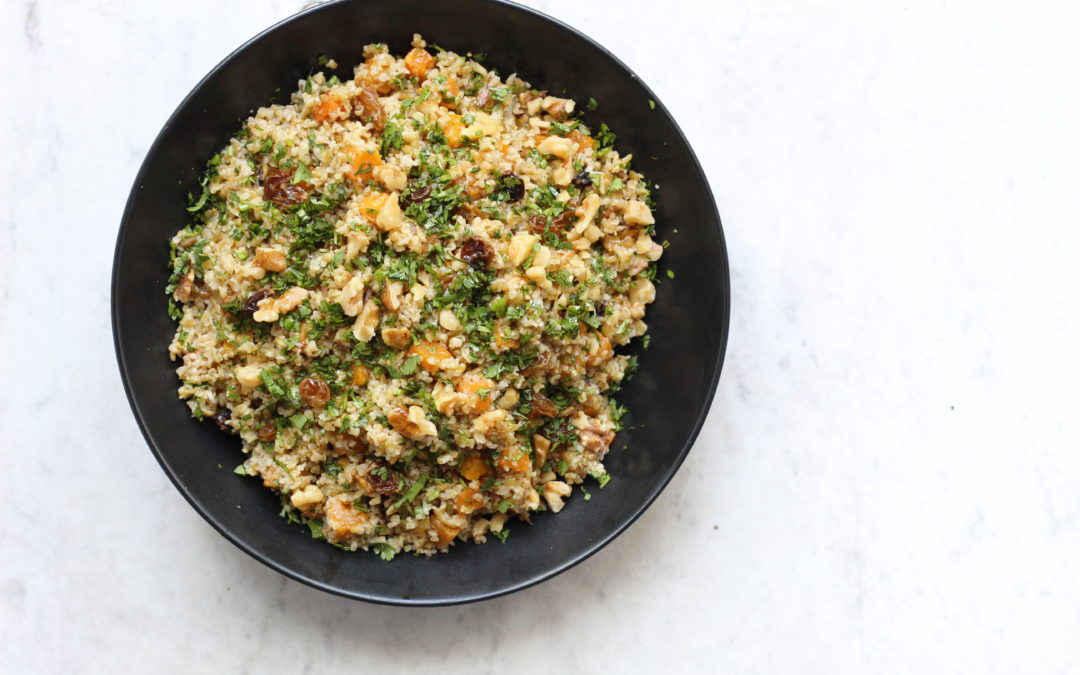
{"x":542,"y":406}
{"x":367,"y":108}
{"x":315,"y":392}
{"x":538,"y":366}
{"x":267,"y":432}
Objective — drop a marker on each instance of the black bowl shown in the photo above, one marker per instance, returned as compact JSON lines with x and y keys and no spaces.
{"x":668,"y":398}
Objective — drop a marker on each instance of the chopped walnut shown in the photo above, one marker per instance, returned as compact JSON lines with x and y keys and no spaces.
{"x":554,"y":492}
{"x":271,"y":309}
{"x":351,"y":295}
{"x":391,"y":295}
{"x":248,"y":377}
{"x":390,"y":216}
{"x":270,"y":259}
{"x":520,"y":247}
{"x":642,"y":291}
{"x":411,"y":423}
{"x":366,"y":322}
{"x":307,"y":497}
{"x":397,"y":337}
{"x":183,"y":289}
{"x":638,"y":213}
{"x":563,"y":148}
{"x":391,"y":177}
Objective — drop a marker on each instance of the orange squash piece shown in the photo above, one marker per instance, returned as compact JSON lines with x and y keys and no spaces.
{"x":581,"y":140}
{"x":343,"y":519}
{"x":469,"y":500}
{"x":452,"y":127}
{"x":476,"y":393}
{"x":444,"y":531}
{"x":473,"y":468}
{"x":513,"y":459}
{"x":362,"y":164}
{"x":418,"y":62}
{"x":431,"y":354}
{"x":371,"y":204}
{"x":327,"y":106}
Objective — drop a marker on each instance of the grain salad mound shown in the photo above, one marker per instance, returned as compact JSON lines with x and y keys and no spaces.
{"x":403,"y":291}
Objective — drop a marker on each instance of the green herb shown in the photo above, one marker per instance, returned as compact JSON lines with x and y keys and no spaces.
{"x":538,"y":159}
{"x":408,"y":368}
{"x":617,"y":413}
{"x":289,"y":513}
{"x":301,"y":174}
{"x":605,"y":138}
{"x":197,"y":206}
{"x":273,"y":384}
{"x":562,"y":278}
{"x":331,"y":467}
{"x":504,"y":506}
{"x":561,"y":128}
{"x":283,"y":468}
{"x":502,"y":534}
{"x":652,"y":104}
{"x":413,"y":491}
{"x":670,"y":274}
{"x":316,"y":527}
{"x":384,"y":551}
{"x":240,"y":470}
{"x":591,"y":104}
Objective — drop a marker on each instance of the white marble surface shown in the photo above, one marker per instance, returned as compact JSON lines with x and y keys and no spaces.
{"x":889,"y":480}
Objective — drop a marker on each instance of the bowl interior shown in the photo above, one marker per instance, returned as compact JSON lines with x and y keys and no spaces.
{"x":667,"y":399}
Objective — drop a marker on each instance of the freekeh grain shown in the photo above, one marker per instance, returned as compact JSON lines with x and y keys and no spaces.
{"x":403,"y":291}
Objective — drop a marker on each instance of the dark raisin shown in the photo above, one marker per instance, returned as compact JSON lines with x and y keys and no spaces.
{"x":251,"y":305}
{"x":222,"y":416}
{"x":511,"y":185}
{"x":357,"y":445}
{"x":382,"y":480}
{"x":279,"y":189}
{"x":582,"y":180}
{"x":475,"y":252}
{"x":315,"y":392}
{"x":564,"y":220}
{"x":536,"y":224}
{"x":468,"y":211}
{"x":419,"y":194}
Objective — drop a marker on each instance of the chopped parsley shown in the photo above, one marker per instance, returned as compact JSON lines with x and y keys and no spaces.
{"x":392,"y":140}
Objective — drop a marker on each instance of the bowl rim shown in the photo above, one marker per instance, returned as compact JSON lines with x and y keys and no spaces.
{"x":384,"y":599}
